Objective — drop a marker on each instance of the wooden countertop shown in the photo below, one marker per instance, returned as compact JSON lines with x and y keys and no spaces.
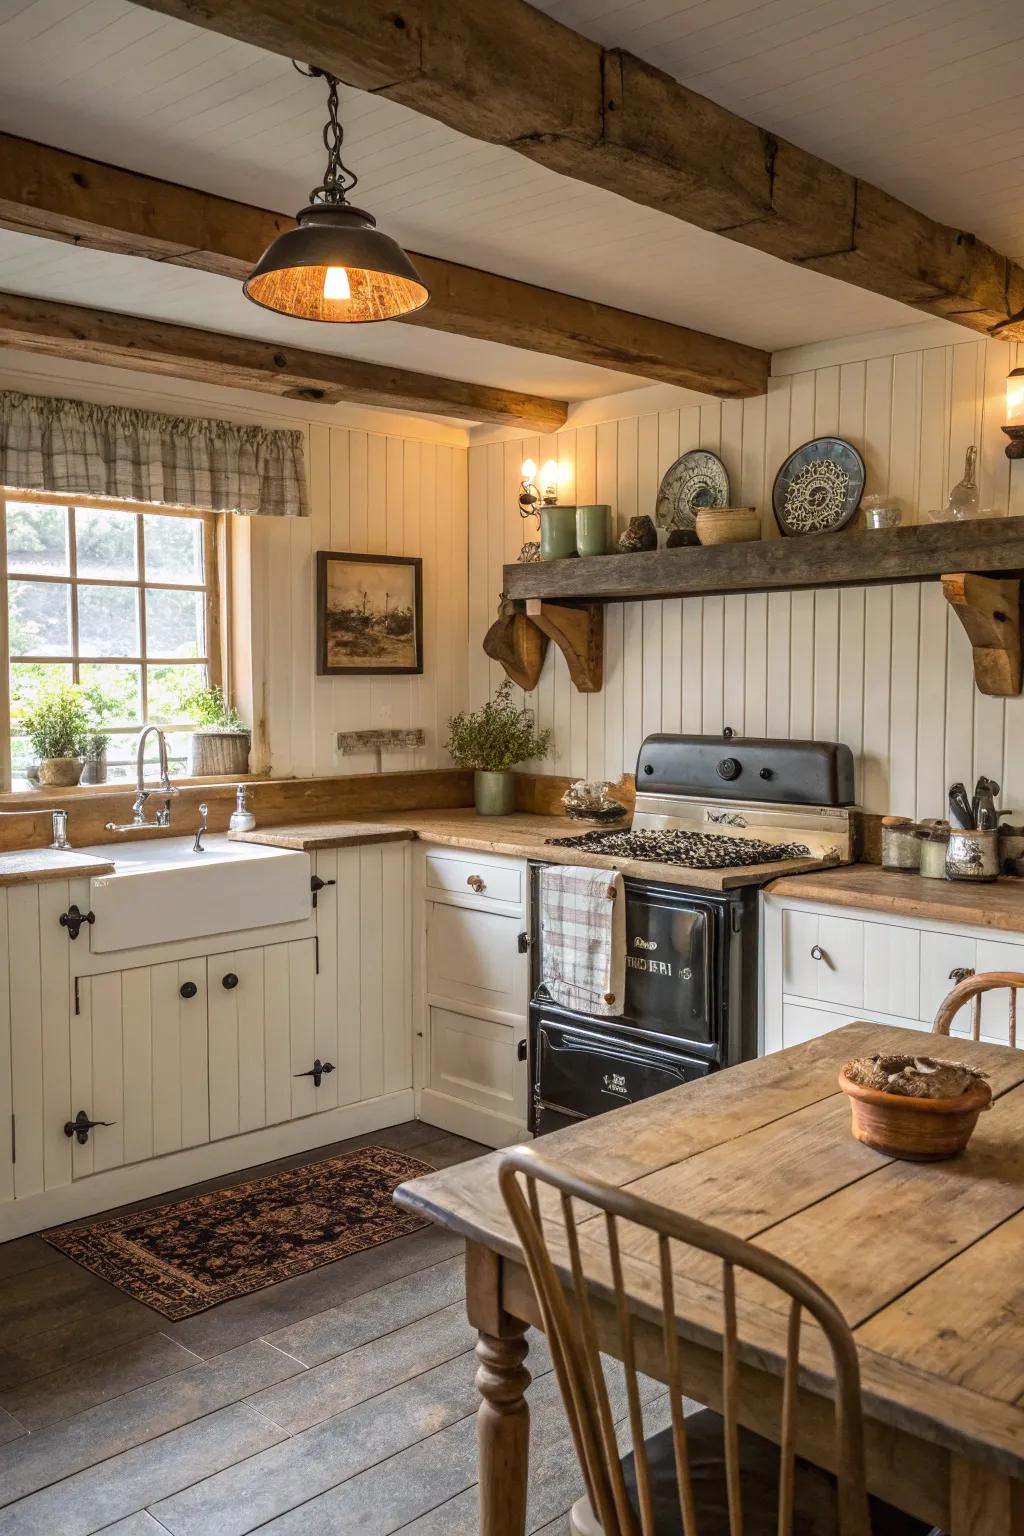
{"x":29,"y":864}
{"x":521,"y":836}
{"x":870,"y":888}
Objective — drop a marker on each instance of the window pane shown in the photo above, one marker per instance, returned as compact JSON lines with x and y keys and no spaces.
{"x":105,"y":543}
{"x":108,"y":621}
{"x":174,"y":548}
{"x":174,"y":623}
{"x":114,"y":693}
{"x":167,"y":687}
{"x":37,"y":538}
{"x":39,"y":618}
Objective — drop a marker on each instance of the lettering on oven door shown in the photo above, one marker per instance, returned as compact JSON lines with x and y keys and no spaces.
{"x":615,"y":1082}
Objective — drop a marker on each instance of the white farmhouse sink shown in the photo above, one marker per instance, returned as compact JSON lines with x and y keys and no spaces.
{"x":162,"y":891}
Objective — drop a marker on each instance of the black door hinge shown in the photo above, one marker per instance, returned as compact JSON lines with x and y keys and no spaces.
{"x":78,"y":999}
{"x":14,"y":1140}
{"x":73,"y":919}
{"x":522,"y":1049}
{"x":316,"y":954}
{"x":524,"y":943}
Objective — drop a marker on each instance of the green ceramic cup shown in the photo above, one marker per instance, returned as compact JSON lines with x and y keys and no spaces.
{"x":557,"y":532}
{"x":494,"y":792}
{"x":594,"y":529}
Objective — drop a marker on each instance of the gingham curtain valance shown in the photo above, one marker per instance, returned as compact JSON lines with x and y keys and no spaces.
{"x":77,"y":449}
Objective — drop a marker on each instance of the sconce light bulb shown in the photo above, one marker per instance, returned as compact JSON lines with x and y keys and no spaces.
{"x":336,"y":284}
{"x":528,"y":469}
{"x":550,"y":474}
{"x":1015,"y":398}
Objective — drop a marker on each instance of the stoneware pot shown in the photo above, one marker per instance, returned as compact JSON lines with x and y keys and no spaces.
{"x":557,"y":533}
{"x":914,"y":1130}
{"x":215,"y":752}
{"x":494,"y":793}
{"x":728,"y":525}
{"x":60,"y":771}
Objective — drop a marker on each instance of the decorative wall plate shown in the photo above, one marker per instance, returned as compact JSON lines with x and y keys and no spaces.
{"x":696,"y":479}
{"x":818,"y":488}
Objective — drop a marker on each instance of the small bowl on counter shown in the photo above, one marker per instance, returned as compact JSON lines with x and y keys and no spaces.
{"x":728,"y":525}
{"x":915,"y":1128}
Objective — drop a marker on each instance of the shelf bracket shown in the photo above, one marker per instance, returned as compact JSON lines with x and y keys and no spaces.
{"x":579,"y":635}
{"x":515,"y":642}
{"x":989,"y":609}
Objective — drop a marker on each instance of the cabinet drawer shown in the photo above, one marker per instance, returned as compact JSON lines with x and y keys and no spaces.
{"x":823,"y":957}
{"x":941,"y":955}
{"x":476,"y":878}
{"x":800,"y":1023}
{"x":474,"y":957}
{"x":473,"y":1060}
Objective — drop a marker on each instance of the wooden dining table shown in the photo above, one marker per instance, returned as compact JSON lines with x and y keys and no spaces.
{"x":925,"y":1260}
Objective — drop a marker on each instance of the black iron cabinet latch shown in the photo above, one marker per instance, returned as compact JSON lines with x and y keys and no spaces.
{"x":316,"y":885}
{"x":81,"y":1125}
{"x":73,"y":919}
{"x":318,"y":1071}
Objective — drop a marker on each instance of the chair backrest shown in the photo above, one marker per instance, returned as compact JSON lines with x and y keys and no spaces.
{"x":973,"y":985}
{"x":569,"y":1322}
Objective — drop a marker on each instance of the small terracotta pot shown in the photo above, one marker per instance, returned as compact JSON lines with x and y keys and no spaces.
{"x":61,"y":771}
{"x":728,"y":525}
{"x":915,"y":1130}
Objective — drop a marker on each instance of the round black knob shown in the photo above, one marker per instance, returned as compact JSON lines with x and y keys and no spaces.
{"x":648,"y":767}
{"x":767,"y":773}
{"x":188,"y":989}
{"x":728,"y":768}
{"x":229,"y":981}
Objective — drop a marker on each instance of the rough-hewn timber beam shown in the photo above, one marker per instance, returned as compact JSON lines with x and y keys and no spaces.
{"x":179,"y":352}
{"x":49,"y":192}
{"x":512,"y":75}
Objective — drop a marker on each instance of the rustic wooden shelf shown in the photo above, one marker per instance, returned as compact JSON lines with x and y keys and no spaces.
{"x":926,"y":552}
{"x":979,"y":564}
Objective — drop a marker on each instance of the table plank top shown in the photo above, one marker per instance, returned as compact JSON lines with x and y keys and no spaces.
{"x":924,"y":1260}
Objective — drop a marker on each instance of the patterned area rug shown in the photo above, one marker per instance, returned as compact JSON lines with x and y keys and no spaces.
{"x":187,"y":1257}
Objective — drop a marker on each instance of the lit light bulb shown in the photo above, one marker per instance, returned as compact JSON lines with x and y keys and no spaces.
{"x":336,"y":284}
{"x":528,"y":469}
{"x":549,"y":477}
{"x":1015,"y":398}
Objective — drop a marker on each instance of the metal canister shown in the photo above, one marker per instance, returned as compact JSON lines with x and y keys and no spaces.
{"x":972,"y":855}
{"x":901,"y":843}
{"x":933,"y":852}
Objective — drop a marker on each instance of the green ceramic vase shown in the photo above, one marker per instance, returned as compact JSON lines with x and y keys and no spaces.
{"x":494,"y":793}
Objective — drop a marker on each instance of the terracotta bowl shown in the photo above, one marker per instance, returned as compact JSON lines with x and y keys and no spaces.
{"x":916,"y":1130}
{"x":728,"y":525}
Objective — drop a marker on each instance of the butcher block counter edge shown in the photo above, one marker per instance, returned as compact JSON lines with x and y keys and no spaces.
{"x":32,"y":864}
{"x":869,"y":888}
{"x":521,"y":836}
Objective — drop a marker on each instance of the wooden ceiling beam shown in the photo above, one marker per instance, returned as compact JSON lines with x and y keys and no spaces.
{"x":512,"y":75}
{"x":207,"y":357}
{"x":62,"y":196}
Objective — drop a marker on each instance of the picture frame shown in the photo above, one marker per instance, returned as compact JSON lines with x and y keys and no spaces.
{"x":369,"y":614}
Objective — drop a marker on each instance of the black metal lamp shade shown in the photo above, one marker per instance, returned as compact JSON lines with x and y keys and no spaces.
{"x":371,"y":277}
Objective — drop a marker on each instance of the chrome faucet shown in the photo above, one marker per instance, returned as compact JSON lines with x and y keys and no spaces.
{"x":204,"y":811}
{"x":166,"y":792}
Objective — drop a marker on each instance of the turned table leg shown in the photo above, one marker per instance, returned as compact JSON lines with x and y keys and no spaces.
{"x":503,"y":1419}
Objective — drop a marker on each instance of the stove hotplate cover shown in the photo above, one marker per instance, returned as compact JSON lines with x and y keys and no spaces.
{"x":691,"y":850}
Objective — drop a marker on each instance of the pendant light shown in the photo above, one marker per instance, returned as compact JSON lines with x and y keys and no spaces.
{"x":336,"y":265}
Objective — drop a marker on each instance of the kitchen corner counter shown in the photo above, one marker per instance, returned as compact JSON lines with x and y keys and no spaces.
{"x":867,"y":887}
{"x":523,"y":835}
{"x":27,"y":865}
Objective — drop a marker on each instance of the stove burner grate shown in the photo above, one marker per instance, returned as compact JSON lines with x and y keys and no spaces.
{"x":694,"y":850}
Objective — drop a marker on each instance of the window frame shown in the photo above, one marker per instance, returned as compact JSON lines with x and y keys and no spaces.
{"x":215,"y":533}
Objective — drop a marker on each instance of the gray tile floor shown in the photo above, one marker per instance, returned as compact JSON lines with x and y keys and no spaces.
{"x":340,"y":1401}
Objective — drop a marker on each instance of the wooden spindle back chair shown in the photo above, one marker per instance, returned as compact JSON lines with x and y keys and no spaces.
{"x":974,"y":985}
{"x":569,"y":1324}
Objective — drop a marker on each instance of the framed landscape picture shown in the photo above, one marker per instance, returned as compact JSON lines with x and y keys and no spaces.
{"x":369,"y":614}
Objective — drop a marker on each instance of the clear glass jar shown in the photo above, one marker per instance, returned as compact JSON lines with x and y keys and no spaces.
{"x":881,"y":512}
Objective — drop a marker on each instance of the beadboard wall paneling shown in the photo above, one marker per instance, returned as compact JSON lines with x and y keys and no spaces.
{"x":886,"y":669}
{"x":370,"y":493}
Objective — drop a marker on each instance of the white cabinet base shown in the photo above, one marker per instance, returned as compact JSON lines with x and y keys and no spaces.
{"x":120,"y":1186}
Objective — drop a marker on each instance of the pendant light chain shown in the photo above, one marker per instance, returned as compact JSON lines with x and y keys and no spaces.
{"x":338,"y":179}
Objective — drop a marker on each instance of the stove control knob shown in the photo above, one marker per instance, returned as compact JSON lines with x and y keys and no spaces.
{"x":767,"y":773}
{"x":648,"y":767}
{"x":728,"y":768}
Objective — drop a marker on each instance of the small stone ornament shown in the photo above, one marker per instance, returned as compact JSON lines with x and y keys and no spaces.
{"x":590,"y":801}
{"x":529,"y":552}
{"x":640,"y":534}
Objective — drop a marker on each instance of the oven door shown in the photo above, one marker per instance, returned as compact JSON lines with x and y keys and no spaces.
{"x":578,"y":1073}
{"x":671,"y":946}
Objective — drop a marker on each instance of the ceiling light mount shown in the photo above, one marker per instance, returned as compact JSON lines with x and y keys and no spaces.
{"x":335,"y":265}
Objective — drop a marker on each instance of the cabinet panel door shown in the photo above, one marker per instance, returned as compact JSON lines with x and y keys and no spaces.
{"x":473,"y":957}
{"x":994,"y":955}
{"x":892,"y":970}
{"x":237,"y":1044}
{"x":800,"y":1023}
{"x":941,"y":954}
{"x":181,"y":1088}
{"x":823,"y":957}
{"x":6,"y":1095}
{"x":474,"y":1060}
{"x":799,"y":968}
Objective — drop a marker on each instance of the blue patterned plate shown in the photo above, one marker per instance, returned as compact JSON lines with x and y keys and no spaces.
{"x":819,"y":487}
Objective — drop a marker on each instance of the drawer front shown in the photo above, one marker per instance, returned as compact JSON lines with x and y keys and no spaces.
{"x":800,"y":1023}
{"x":892,"y":971}
{"x":474,"y":1060}
{"x":942,"y":954}
{"x":823,"y":957}
{"x":474,"y":957}
{"x":478,"y":879}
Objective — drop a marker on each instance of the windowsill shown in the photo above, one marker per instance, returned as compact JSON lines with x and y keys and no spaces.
{"x":28,"y":802}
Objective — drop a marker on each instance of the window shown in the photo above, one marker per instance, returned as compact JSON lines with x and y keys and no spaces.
{"x":120,"y":600}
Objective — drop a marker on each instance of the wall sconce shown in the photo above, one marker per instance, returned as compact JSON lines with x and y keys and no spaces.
{"x":532,"y":498}
{"x":1014,"y":428}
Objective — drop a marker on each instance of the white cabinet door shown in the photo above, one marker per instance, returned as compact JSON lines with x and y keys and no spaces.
{"x":943,"y":956}
{"x":6,"y":1093}
{"x":474,"y":1060}
{"x":892,"y":970}
{"x":139,"y":1061}
{"x":261,"y":1033}
{"x":473,"y":957}
{"x":823,"y":957}
{"x":994,"y":955}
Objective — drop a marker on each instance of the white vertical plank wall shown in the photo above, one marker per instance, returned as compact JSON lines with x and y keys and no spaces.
{"x":886,"y":669}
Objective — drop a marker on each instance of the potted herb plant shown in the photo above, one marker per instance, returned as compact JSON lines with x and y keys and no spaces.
{"x":491,"y":741}
{"x":102,"y":709}
{"x":56,"y":725}
{"x":220,"y":741}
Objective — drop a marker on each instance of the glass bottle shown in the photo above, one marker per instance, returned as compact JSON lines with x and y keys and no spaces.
{"x":964,"y":500}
